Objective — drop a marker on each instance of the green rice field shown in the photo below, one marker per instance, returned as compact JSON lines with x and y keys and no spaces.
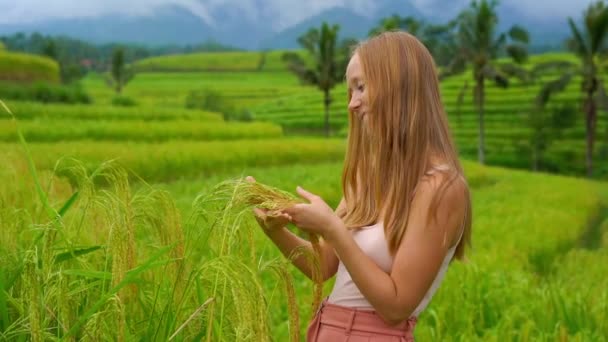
{"x":108,"y":231}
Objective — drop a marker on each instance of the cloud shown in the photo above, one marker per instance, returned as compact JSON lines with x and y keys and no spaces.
{"x":36,"y":10}
{"x":553,"y":8}
{"x":289,"y":12}
{"x":280,"y":13}
{"x":530,"y":8}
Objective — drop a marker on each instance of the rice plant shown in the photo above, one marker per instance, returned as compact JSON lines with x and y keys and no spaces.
{"x":117,"y":264}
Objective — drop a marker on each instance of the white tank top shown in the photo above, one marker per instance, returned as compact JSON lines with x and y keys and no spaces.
{"x":372,"y":241}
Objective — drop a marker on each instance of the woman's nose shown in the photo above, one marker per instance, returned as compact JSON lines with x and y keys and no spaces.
{"x":354,"y":104}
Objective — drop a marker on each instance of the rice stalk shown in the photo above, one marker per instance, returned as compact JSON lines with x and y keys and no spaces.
{"x":43,"y":196}
{"x":286,"y":279}
{"x":32,"y":295}
{"x":233,"y":199}
{"x":317,"y":276}
{"x":119,"y":216}
{"x":195,"y":314}
{"x":157,"y":213}
{"x":98,"y":328}
{"x":243,"y":300}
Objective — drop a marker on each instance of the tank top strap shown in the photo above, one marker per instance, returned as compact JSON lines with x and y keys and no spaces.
{"x":435,"y":168}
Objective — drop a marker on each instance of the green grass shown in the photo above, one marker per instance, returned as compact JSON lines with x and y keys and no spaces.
{"x":177,"y":159}
{"x":22,"y":67}
{"x":216,"y":61}
{"x":243,"y":89}
{"x":101,"y":255}
{"x":523,"y":280}
{"x":34,"y":110}
{"x":53,"y":130}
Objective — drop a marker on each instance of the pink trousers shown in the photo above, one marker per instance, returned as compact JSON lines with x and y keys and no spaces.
{"x":335,"y":323}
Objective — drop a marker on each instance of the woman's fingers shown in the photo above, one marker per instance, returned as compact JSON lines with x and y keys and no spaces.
{"x":259,"y":212}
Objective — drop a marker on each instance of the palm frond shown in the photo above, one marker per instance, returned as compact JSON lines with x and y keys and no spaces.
{"x":577,"y":42}
{"x":298,"y":66}
{"x":519,"y":34}
{"x":498,"y":45}
{"x":551,"y":67}
{"x":516,"y":71}
{"x":491,"y":73}
{"x":602,"y":98}
{"x":517,"y":52}
{"x":309,"y":40}
{"x":457,"y":66}
{"x":553,"y":87}
{"x":598,"y":27}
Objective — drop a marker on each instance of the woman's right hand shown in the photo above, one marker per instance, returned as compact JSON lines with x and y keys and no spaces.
{"x":269,"y":220}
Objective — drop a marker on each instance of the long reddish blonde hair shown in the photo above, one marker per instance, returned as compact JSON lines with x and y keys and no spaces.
{"x":406,"y":125}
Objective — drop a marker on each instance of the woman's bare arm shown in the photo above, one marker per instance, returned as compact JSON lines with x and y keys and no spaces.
{"x":396,"y":295}
{"x":288,"y":242}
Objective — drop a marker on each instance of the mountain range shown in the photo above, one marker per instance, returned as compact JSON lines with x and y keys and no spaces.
{"x":175,"y":25}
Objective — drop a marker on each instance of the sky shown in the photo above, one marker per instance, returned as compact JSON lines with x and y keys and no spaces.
{"x":284,"y":13}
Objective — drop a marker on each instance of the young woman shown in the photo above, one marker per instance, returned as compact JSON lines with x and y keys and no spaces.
{"x":406,"y":210}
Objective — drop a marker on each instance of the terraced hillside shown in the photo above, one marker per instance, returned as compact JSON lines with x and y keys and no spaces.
{"x":21,"y":67}
{"x":276,"y":96}
{"x":95,"y":252}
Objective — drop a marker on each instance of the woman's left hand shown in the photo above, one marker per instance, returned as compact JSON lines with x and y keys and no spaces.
{"x":316,"y":217}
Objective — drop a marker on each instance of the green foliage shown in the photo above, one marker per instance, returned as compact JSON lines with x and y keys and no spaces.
{"x":72,"y":72}
{"x":214,"y":101}
{"x":98,"y":57}
{"x":175,"y":159}
{"x":50,"y":50}
{"x":207,"y":99}
{"x":37,"y":111}
{"x":123,"y":101}
{"x":547,"y":125}
{"x":27,"y":68}
{"x":216,"y":61}
{"x":182,"y":263}
{"x":590,"y":45}
{"x":51,"y":129}
{"x":479,"y":44}
{"x":439,"y":39}
{"x":44,"y":92}
{"x":329,"y":60}
{"x":120,"y":73}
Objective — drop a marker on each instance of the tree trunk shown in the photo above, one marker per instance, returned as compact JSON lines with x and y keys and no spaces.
{"x":590,"y":125}
{"x":327,"y":102}
{"x":480,"y":99}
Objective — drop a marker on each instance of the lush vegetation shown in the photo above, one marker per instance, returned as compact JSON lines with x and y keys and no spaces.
{"x":111,"y":229}
{"x":44,"y":92}
{"x":21,"y":67}
{"x":157,"y":281}
{"x":73,"y":52}
{"x":132,"y":130}
{"x":37,"y":111}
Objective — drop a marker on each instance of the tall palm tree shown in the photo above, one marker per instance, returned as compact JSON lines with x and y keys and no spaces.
{"x":329,"y":60}
{"x":590,"y":44}
{"x":479,"y":45}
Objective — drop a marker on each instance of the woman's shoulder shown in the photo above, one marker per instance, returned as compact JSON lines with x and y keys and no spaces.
{"x":444,"y":195}
{"x":440,"y":176}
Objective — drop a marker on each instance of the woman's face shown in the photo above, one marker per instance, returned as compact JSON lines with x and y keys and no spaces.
{"x":355,"y":80}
